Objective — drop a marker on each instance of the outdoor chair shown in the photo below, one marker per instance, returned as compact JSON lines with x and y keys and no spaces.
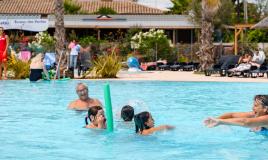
{"x":225,"y":63}
{"x":175,"y":67}
{"x":164,"y":67}
{"x":191,"y":66}
{"x":259,"y":72}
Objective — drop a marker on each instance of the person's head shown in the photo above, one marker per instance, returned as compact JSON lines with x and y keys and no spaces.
{"x":245,"y":55}
{"x":260,"y":106}
{"x":82,"y":91}
{"x":94,"y":113}
{"x":143,"y":120}
{"x":127,"y":113}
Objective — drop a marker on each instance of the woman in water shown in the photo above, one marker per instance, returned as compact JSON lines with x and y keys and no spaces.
{"x":144,"y":123}
{"x":96,"y":117}
{"x":257,"y":119}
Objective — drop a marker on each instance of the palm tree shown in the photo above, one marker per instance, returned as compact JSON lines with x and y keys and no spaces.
{"x":59,"y":30}
{"x":179,"y":6}
{"x":205,"y":53}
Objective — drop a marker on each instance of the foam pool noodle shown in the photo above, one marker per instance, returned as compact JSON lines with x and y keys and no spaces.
{"x":108,"y":107}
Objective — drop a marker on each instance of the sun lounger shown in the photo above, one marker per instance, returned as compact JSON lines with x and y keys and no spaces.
{"x":225,"y":63}
{"x":175,"y":67}
{"x":259,"y":72}
{"x":191,"y":66}
{"x":163,"y":67}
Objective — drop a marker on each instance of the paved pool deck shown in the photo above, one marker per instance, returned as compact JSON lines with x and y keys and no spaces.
{"x":183,"y":76}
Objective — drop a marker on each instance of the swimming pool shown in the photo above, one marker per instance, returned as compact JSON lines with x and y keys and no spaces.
{"x":34,"y":122}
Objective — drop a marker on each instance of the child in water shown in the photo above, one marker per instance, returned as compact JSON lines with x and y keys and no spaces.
{"x":96,"y":117}
{"x":127,"y":113}
{"x":144,"y":123}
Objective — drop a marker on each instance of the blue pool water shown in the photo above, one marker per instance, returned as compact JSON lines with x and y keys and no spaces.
{"x":35,"y":124}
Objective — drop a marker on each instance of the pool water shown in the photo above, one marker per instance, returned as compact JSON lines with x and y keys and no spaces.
{"x":35,"y":124}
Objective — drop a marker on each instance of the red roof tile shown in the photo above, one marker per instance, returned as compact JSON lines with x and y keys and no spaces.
{"x":47,"y":7}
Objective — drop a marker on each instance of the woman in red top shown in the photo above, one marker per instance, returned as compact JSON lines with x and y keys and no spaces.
{"x":3,"y":52}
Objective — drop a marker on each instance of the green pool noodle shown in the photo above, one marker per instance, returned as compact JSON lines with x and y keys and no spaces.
{"x":108,"y":107}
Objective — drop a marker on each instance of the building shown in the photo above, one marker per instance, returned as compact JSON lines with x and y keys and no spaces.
{"x":130,"y":14}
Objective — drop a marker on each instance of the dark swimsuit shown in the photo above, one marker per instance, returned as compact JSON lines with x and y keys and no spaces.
{"x":263,"y":131}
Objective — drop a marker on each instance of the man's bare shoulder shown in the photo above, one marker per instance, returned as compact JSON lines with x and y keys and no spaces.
{"x":98,"y":101}
{"x":73,"y":104}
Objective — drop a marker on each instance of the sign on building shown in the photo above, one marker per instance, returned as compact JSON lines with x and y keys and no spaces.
{"x":35,"y":25}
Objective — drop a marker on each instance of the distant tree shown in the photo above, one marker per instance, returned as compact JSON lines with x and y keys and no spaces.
{"x":224,"y":16}
{"x":180,"y":6}
{"x":105,"y":11}
{"x":262,"y":7}
{"x":71,"y":7}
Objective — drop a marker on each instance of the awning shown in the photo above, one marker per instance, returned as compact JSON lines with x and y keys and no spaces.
{"x":126,"y":21}
{"x":35,"y":25}
{"x":262,"y":24}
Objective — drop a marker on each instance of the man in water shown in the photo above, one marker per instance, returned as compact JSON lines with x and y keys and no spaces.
{"x":84,"y":102}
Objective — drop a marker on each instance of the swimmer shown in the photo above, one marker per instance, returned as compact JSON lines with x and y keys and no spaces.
{"x":96,"y":117}
{"x":84,"y":102}
{"x":144,"y":123}
{"x":257,"y":119}
{"x":127,"y":113}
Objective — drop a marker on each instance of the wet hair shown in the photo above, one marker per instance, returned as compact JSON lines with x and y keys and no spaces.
{"x":92,"y":111}
{"x":140,"y":120}
{"x":262,"y":99}
{"x":127,"y":113}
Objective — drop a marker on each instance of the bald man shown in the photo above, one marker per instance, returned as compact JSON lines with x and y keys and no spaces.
{"x":84,"y":102}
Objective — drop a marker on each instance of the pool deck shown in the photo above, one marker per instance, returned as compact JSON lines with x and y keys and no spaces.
{"x":182,"y":76}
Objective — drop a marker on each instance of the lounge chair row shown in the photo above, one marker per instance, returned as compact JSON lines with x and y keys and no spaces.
{"x":228,"y":62}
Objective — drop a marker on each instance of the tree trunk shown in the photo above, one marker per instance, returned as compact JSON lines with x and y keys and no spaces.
{"x":60,"y":32}
{"x":205,"y":52}
{"x":238,"y":11}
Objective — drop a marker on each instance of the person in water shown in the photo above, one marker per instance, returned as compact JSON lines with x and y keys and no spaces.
{"x":144,"y":124}
{"x":127,"y":113}
{"x":96,"y":117}
{"x":257,"y":119}
{"x":84,"y":102}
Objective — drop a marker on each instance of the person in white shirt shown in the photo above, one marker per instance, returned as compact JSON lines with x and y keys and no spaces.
{"x":73,"y":55}
{"x":258,"y":58}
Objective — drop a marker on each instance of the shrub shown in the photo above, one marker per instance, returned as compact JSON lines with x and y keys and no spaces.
{"x":70,"y":7}
{"x":105,"y":11}
{"x":20,"y":68}
{"x":152,"y":42}
{"x":258,"y":36}
{"x":45,"y":41}
{"x":106,"y":66}
{"x":86,"y":41}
